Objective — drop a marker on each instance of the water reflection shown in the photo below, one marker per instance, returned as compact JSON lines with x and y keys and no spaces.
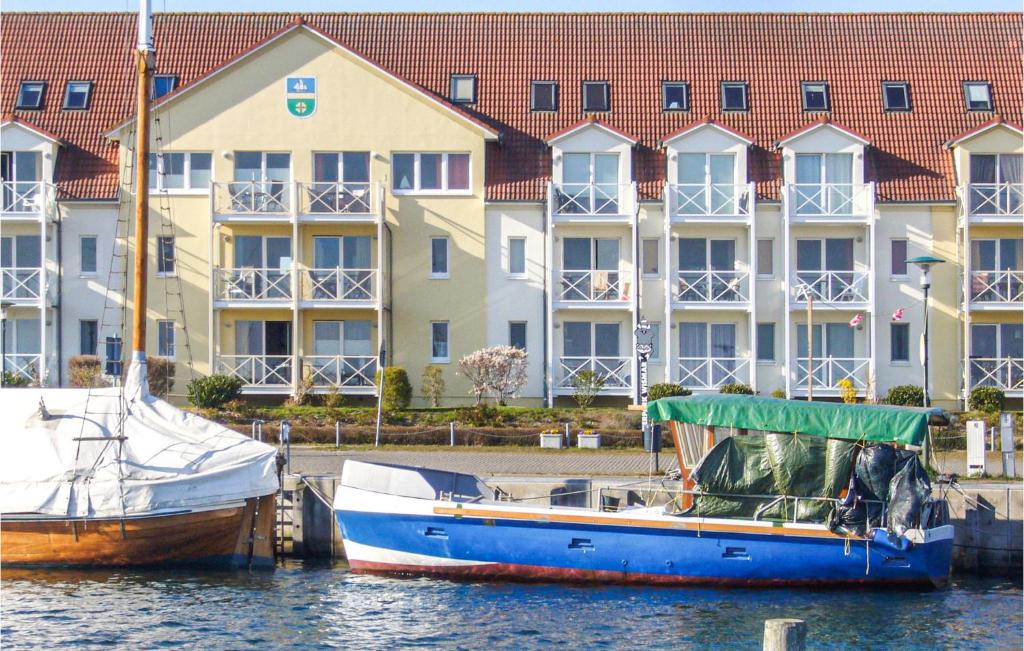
{"x":306,"y":605}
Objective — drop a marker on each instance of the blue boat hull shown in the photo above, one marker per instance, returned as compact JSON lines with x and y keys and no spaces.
{"x":540,"y":548}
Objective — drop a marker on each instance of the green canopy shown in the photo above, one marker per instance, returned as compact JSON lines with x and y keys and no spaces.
{"x":881,"y":423}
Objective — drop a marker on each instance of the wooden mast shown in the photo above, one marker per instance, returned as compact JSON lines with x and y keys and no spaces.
{"x":144,"y":71}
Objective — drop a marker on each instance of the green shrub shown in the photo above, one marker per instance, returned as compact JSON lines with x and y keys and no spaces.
{"x":905,"y":395}
{"x":666,"y":390}
{"x":779,"y":393}
{"x":160,"y":375}
{"x":14,"y":380}
{"x":586,"y":386}
{"x":85,"y":372}
{"x":481,"y":415}
{"x":213,"y":391}
{"x":988,"y":399}
{"x":397,"y":390}
{"x":737,"y":389}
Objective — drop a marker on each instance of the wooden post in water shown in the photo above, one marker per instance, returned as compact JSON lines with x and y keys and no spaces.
{"x":784,"y":635}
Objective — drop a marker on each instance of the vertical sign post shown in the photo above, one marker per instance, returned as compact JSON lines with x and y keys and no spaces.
{"x":644,"y":347}
{"x":381,"y":364}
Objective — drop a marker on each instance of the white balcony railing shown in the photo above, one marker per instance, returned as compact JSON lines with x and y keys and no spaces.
{"x":24,"y":365}
{"x":1006,"y":373}
{"x":614,"y":370}
{"x":21,"y":283}
{"x":993,"y":199}
{"x":712,"y":287}
{"x":828,"y":372}
{"x":341,"y":371}
{"x":258,"y":370}
{"x":263,"y":198}
{"x":713,"y":372}
{"x":831,"y":286}
{"x":997,"y":287}
{"x":24,"y":198}
{"x":340,"y":199}
{"x":339,"y":285}
{"x":593,"y":285}
{"x":710,"y":199}
{"x":252,"y":284}
{"x":840,"y":200}
{"x":593,"y":199}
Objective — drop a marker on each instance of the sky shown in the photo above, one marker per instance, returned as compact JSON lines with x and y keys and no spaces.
{"x":514,"y":5}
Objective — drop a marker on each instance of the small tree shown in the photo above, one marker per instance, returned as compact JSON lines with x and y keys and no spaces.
{"x":499,"y":370}
{"x":213,"y":391}
{"x":85,"y":372}
{"x":736,"y":389}
{"x":586,"y":386}
{"x":473,"y":368}
{"x":905,"y":395}
{"x":397,"y":390}
{"x":666,"y":390}
{"x":432,"y":385}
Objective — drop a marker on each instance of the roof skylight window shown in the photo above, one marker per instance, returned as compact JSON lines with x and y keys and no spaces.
{"x":896,"y":95}
{"x":815,"y":95}
{"x":735,"y":96}
{"x":978,"y":95}
{"x":30,"y":95}
{"x":77,"y":95}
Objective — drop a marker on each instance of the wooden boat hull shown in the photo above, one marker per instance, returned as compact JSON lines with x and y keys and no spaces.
{"x":231,"y":537}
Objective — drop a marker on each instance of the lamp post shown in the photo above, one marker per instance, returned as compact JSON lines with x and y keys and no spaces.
{"x":925,"y":263}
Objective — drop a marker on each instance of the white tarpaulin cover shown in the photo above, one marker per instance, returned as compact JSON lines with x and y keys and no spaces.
{"x":168,"y":459}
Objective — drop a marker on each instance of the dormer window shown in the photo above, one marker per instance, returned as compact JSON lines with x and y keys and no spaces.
{"x":815,"y":96}
{"x":463,"y":89}
{"x":896,"y":95}
{"x":163,"y":84}
{"x":77,"y":95}
{"x":675,"y":96}
{"x":30,"y":95}
{"x":978,"y":95}
{"x":735,"y":96}
{"x":543,"y":96}
{"x":595,"y":96}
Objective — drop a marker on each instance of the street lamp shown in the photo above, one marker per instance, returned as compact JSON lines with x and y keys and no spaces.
{"x":925,"y":263}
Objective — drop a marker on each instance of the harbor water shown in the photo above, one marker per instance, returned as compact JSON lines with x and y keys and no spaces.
{"x":316,"y":605}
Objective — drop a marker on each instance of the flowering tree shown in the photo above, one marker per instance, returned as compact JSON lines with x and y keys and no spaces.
{"x":499,"y":370}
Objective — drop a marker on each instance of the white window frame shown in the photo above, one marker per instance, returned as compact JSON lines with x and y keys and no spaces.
{"x":537,"y":83}
{"x":18,"y":105}
{"x":910,"y":351}
{"x":444,"y":190}
{"x":82,"y":273}
{"x":746,"y":96}
{"x":263,"y":165}
{"x":447,"y":258}
{"x":452,"y":81}
{"x":685,"y":85}
{"x":757,"y":266}
{"x":448,"y":342}
{"x":67,"y":93}
{"x":174,"y":258}
{"x":607,"y":96}
{"x":806,"y":86}
{"x":906,"y":95}
{"x":518,"y":275}
{"x":967,"y":98}
{"x":526,"y":333}
{"x":657,"y":346}
{"x":657,"y":257}
{"x":892,"y":274}
{"x":160,"y":332}
{"x":187,"y":173}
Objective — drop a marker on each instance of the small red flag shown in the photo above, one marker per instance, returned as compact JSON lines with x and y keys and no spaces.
{"x":898,"y":314}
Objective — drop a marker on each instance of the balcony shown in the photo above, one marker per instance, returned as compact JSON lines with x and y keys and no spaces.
{"x":1006,"y":373}
{"x":23,"y":365}
{"x":616,"y":372}
{"x":22,"y":285}
{"x":997,"y":290}
{"x":592,"y":202}
{"x":717,"y":203}
{"x":992,"y":203}
{"x":594,"y":288}
{"x":346,"y":373}
{"x":259,"y":373}
{"x":712,"y":290}
{"x":838,"y":288}
{"x":339,"y":288}
{"x":340,"y":202}
{"x":698,"y":373}
{"x":252,"y":201}
{"x":25,"y":200}
{"x":252,"y":287}
{"x":828,"y":372}
{"x":840,"y":203}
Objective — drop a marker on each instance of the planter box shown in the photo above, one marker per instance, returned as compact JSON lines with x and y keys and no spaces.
{"x":551,"y":441}
{"x":592,"y":441}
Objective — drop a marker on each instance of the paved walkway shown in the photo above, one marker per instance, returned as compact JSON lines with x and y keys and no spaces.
{"x":529,"y":462}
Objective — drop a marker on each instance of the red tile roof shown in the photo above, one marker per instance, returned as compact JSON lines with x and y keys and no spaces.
{"x":14,"y":119}
{"x":817,"y":124}
{"x":935,"y":53}
{"x":586,"y":122}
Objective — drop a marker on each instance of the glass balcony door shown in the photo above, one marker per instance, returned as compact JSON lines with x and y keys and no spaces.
{"x":22,"y":339}
{"x":997,"y":355}
{"x":995,"y":184}
{"x":706,"y":184}
{"x":996,"y":270}
{"x":837,"y":362}
{"x":262,"y":267}
{"x":590,"y":269}
{"x":342,"y":267}
{"x":20,"y":174}
{"x":342,"y":353}
{"x":590,"y":184}
{"x":341,"y":183}
{"x":263,"y":352}
{"x":262,"y":181}
{"x":21,"y":265}
{"x":707,"y":270}
{"x":825,"y":269}
{"x":824,"y":184}
{"x":707,"y":354}
{"x":588,"y":346}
